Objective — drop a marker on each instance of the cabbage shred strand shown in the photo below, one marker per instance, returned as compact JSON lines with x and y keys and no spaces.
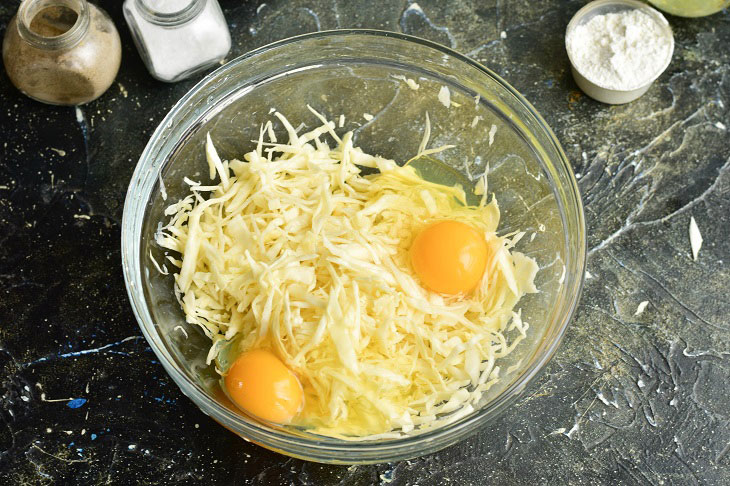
{"x":294,"y":250}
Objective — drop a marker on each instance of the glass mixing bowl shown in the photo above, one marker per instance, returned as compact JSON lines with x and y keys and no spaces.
{"x":352,"y":73}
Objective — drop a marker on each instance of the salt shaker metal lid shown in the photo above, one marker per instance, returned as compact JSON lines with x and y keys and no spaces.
{"x":178,"y":38}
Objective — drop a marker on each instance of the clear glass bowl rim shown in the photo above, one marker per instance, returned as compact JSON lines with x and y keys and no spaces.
{"x":335,"y":450}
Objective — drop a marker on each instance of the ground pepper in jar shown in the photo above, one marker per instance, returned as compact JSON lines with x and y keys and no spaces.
{"x":65,"y":52}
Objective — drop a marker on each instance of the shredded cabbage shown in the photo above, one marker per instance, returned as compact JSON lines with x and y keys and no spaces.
{"x":296,"y":251}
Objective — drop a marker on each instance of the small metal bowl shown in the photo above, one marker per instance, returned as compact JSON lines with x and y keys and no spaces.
{"x":602,"y":7}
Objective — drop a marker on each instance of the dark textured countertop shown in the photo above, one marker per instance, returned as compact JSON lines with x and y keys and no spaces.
{"x":628,"y":399}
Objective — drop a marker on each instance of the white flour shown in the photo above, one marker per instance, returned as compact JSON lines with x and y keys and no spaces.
{"x":622,"y":51}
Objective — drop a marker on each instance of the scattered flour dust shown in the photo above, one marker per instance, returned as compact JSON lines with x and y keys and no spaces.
{"x":623,"y":50}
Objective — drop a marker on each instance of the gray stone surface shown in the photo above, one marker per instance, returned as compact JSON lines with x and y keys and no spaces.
{"x":628,"y":399}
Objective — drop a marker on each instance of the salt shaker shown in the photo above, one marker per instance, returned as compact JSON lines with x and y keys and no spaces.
{"x":64,"y":52}
{"x":178,"y":38}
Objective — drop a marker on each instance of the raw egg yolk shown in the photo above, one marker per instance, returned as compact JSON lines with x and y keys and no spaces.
{"x":449,"y":257}
{"x":259,"y":383}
